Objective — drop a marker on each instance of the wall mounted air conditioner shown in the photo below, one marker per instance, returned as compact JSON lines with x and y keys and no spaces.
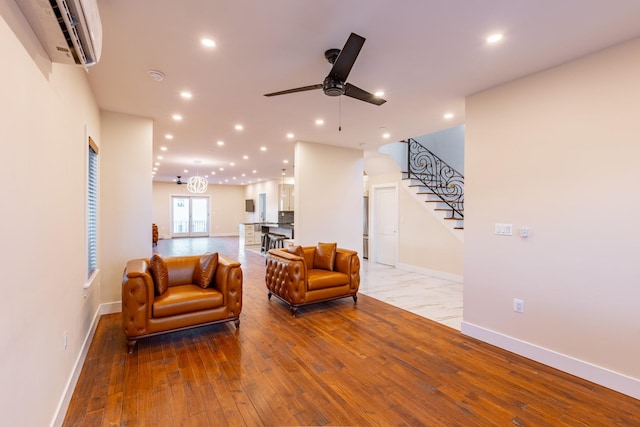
{"x":69,"y":30}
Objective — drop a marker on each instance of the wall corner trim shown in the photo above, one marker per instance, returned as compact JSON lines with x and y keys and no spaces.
{"x":65,"y":399}
{"x":602,"y":376}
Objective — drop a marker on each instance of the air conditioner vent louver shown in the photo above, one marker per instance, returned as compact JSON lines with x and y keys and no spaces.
{"x":69,"y":30}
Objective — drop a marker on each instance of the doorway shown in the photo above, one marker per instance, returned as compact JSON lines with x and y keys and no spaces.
{"x":189,"y":216}
{"x":384,"y":225}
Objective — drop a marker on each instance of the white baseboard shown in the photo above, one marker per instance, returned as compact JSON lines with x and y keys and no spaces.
{"x":588,"y":371}
{"x":426,"y":271}
{"x":63,"y":405}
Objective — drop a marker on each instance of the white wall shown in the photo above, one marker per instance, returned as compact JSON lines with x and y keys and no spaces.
{"x":125,"y":196}
{"x":253,"y":191}
{"x":329,"y":191}
{"x":558,"y":152}
{"x":226,"y":207}
{"x":46,"y":111}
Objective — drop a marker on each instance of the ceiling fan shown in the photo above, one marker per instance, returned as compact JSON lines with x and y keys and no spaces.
{"x":180,"y":182}
{"x":335,"y":83}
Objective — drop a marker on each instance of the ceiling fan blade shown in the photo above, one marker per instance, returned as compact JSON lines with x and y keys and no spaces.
{"x":342,"y":67}
{"x":357,"y":93}
{"x":298,"y":89}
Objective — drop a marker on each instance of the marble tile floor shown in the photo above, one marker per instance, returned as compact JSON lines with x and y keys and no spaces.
{"x":427,"y":296}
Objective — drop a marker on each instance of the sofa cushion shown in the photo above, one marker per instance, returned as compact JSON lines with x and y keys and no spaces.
{"x":205,"y":269}
{"x":325,"y":256}
{"x":321,"y":279}
{"x":159,"y":273}
{"x":296,"y":250}
{"x":186,"y":299}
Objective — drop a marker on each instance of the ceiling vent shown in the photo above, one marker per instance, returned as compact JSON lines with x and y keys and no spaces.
{"x":69,"y":30}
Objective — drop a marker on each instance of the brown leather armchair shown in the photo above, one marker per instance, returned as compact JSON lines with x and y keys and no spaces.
{"x":306,"y":275}
{"x":183,"y":303}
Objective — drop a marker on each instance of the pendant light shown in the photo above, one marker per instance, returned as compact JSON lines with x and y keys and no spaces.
{"x":197,"y":184}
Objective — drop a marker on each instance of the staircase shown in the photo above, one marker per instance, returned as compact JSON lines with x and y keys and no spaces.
{"x":432,"y":181}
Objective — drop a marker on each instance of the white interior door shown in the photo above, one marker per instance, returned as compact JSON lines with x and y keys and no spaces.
{"x":385,"y":225}
{"x":189,"y":216}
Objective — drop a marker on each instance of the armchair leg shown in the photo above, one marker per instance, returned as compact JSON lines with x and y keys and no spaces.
{"x":294,"y":310}
{"x":237,"y":323}
{"x":269,"y":296}
{"x":130,"y":345}
{"x":355,"y":299}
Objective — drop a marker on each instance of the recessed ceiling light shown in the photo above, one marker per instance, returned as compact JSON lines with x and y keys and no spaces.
{"x":221,"y":169}
{"x":186,"y":171}
{"x":244,"y":174}
{"x":239,"y":127}
{"x":160,"y":157}
{"x":176,"y":117}
{"x":168,"y":136}
{"x":213,"y":172}
{"x":263,"y":148}
{"x":386,"y":135}
{"x":155,"y":169}
{"x":379,"y":94}
{"x":254,"y":171}
{"x":233,"y":177}
{"x":448,"y":116}
{"x":163,"y":148}
{"x":245,"y":157}
{"x":186,"y":95}
{"x":285,"y":161}
{"x":155,"y":75}
{"x":290,"y":135}
{"x":232,"y":164}
{"x":494,"y":38}
{"x":157,"y":163}
{"x":319,"y":122}
{"x":208,"y":42}
{"x":220,"y":143}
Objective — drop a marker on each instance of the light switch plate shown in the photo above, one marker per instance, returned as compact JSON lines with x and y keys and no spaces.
{"x":504,"y":229}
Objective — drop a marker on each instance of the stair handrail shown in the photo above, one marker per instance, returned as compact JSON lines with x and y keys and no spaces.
{"x":437,"y":175}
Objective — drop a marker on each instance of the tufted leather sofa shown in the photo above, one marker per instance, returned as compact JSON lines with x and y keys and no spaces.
{"x":297,"y":280}
{"x":184,"y":304}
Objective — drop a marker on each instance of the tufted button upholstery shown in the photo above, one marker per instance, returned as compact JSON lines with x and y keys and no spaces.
{"x":289,"y":277}
{"x":185,"y":304}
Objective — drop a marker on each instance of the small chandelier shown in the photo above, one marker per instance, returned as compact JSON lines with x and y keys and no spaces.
{"x":197,"y":184}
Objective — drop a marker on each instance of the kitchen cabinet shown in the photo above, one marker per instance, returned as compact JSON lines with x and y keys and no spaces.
{"x":250,"y":234}
{"x":286,"y":197}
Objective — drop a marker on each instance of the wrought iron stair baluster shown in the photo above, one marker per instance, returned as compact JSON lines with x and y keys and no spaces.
{"x":435,"y":174}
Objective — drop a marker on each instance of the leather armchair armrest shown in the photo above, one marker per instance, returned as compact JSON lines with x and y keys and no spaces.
{"x":228,"y":280}
{"x":137,"y":297}
{"x":348,"y":262}
{"x":286,"y":275}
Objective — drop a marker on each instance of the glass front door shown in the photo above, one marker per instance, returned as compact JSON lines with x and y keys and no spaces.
{"x":189,"y":216}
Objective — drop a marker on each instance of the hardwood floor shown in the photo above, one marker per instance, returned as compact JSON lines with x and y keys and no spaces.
{"x":335,"y":363}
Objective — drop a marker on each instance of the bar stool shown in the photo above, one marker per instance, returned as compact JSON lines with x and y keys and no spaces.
{"x":276,"y":241}
{"x":264,"y":243}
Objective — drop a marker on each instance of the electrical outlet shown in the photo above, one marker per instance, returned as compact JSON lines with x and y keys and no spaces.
{"x":518,"y":305}
{"x":65,"y":338}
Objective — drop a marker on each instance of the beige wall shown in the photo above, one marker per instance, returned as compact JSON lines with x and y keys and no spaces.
{"x":226,"y":207}
{"x":46,"y":112}
{"x":558,"y":152}
{"x":328,"y":202}
{"x":423,"y":242}
{"x":125,"y":196}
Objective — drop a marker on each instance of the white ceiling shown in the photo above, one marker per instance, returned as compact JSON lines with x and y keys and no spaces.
{"x":426,"y":55}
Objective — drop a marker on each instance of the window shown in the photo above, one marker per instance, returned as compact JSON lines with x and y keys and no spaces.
{"x":92,"y":209}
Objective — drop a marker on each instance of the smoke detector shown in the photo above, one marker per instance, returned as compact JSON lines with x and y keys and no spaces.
{"x":155,"y":75}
